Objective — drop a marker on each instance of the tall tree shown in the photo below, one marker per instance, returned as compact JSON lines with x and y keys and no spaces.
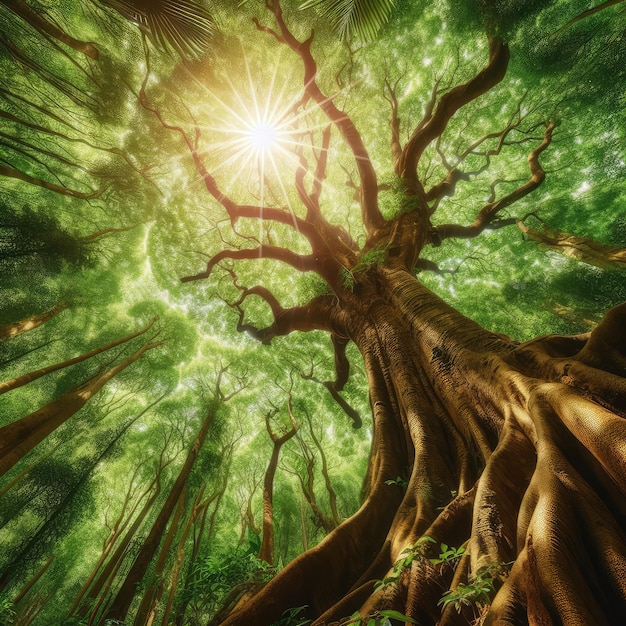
{"x":19,"y":437}
{"x":454,"y":405}
{"x":266,"y":552}
{"x":495,"y":486}
{"x":125,"y":594}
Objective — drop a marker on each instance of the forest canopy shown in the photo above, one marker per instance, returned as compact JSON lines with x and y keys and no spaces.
{"x":312,"y":312}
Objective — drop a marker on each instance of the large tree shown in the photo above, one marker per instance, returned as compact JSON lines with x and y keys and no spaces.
{"x":497,"y":474}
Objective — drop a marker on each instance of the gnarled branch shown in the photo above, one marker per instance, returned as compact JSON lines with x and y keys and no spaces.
{"x":489,"y":212}
{"x":372,"y":218}
{"x":448,"y":105}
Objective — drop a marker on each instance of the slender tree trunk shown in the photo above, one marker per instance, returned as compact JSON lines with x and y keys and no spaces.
{"x":14,"y":567}
{"x":20,"y":437}
{"x":199,"y":537}
{"x":36,"y":21}
{"x":146,"y":612}
{"x":125,"y":594}
{"x":122,"y":520}
{"x":267,"y":542}
{"x":513,"y":451}
{"x":99,"y":590}
{"x":31,"y":376}
{"x":30,"y":323}
{"x":332,"y":496}
{"x":31,"y":583}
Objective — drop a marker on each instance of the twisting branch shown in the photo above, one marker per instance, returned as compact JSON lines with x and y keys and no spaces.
{"x":433,"y":126}
{"x":298,"y":261}
{"x":489,"y":212}
{"x":372,"y":218}
{"x":333,"y":389}
{"x":447,"y":186}
{"x":315,"y":315}
{"x":235,"y":211}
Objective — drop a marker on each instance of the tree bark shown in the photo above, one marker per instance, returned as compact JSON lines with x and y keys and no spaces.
{"x":455,"y":407}
{"x":267,"y":542}
{"x":30,"y":323}
{"x":124,"y":597}
{"x":20,"y":437}
{"x":24,"y":379}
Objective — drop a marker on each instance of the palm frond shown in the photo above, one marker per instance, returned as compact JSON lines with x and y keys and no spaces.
{"x":182,"y":25}
{"x":364,"y":18}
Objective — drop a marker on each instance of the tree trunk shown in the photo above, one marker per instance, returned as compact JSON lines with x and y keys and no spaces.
{"x":199,"y":536}
{"x":126,"y":593}
{"x":32,"y":581}
{"x":267,"y":542}
{"x":147,"y":609}
{"x":20,"y":437}
{"x":98,"y":591}
{"x":30,"y":323}
{"x":515,"y":452}
{"x":122,"y":520}
{"x":19,"y":381}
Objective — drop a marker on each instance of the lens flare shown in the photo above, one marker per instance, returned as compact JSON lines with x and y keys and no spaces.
{"x":262,"y":136}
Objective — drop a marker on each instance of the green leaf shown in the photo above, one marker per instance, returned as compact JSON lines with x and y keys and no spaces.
{"x":391,"y":614}
{"x":361,"y":17}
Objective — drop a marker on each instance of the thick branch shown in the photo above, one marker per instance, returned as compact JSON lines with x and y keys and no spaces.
{"x":299,"y":262}
{"x":315,"y":315}
{"x":372,"y":218}
{"x":580,"y":248}
{"x":449,"y":104}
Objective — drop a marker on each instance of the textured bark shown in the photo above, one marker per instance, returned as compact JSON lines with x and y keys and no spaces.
{"x":121,"y":603}
{"x":514,"y":451}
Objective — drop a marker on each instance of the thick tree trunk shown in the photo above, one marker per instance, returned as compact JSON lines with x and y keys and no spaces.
{"x":515,"y":452}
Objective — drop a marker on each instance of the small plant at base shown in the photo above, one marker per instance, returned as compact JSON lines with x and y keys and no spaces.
{"x":291,"y":617}
{"x":7,"y":612}
{"x":416,"y":551}
{"x":448,"y":554}
{"x":478,"y":591}
{"x":398,"y":481}
{"x":380,"y":618}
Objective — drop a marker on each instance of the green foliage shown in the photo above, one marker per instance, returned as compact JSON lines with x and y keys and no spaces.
{"x":399,"y":481}
{"x":363,"y":18}
{"x":478,"y":591}
{"x":415,"y":553}
{"x":218,"y":573}
{"x":293,"y":617}
{"x":380,"y":618}
{"x":448,"y":554}
{"x":7,"y":612}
